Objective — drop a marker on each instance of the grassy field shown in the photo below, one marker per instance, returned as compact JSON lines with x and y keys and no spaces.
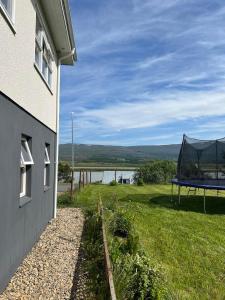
{"x":189,"y":245}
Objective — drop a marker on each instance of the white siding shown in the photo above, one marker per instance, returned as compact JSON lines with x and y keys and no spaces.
{"x":19,"y":79}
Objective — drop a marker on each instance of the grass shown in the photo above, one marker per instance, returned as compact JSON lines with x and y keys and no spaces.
{"x":189,"y":245}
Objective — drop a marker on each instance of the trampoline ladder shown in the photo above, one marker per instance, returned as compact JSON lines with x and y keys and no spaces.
{"x":190,"y":190}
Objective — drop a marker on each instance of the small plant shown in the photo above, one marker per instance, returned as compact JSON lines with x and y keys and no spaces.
{"x":111,"y":203}
{"x":64,"y":199}
{"x":140,"y":182}
{"x":132,"y":243}
{"x":120,"y":225}
{"x":137,"y":279}
{"x":113,"y":183}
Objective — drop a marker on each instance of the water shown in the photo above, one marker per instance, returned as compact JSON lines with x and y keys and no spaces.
{"x":106,"y":177}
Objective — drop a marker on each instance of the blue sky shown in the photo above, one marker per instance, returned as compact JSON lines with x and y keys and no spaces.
{"x":147,"y":72}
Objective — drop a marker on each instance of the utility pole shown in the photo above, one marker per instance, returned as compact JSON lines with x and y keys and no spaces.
{"x":72,"y":158}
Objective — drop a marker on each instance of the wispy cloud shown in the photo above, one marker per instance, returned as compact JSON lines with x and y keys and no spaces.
{"x":157,"y":111}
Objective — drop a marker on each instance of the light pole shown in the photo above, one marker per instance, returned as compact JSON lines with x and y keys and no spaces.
{"x":72,"y":152}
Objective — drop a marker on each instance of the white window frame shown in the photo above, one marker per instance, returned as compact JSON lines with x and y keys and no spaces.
{"x":28,"y":162}
{"x":23,"y":178}
{"x":23,"y":165}
{"x":41,"y":41}
{"x":10,"y":15}
{"x":47,"y":163}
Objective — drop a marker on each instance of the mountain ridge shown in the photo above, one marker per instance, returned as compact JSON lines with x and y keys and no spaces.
{"x":102,"y":154}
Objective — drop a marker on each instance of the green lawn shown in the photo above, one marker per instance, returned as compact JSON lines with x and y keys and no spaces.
{"x":189,"y":244}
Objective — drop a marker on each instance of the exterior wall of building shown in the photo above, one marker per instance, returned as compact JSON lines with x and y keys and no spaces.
{"x":20,"y":227}
{"x":19,"y":79}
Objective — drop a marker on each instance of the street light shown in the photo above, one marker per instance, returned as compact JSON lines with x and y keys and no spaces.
{"x":72,"y":152}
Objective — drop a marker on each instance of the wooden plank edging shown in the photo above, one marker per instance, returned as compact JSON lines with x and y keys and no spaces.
{"x":109,"y":272}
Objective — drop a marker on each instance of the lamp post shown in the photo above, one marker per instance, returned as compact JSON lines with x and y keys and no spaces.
{"x":72,"y":153}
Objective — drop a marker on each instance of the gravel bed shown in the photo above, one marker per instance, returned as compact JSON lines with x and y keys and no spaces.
{"x":53,"y":270}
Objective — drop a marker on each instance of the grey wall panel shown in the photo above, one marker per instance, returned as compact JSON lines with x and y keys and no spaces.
{"x":20,"y":227}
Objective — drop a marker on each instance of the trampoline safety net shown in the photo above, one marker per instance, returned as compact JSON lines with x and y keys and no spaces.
{"x":202,"y":160}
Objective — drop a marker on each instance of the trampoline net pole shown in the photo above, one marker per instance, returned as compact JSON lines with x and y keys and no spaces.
{"x":179,"y":188}
{"x":204,"y":202}
{"x":171,"y":199}
{"x":217,"y":160}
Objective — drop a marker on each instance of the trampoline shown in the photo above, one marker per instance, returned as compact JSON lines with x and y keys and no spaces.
{"x":201,"y":165}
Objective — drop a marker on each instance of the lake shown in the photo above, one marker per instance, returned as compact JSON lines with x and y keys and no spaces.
{"x":106,"y":177}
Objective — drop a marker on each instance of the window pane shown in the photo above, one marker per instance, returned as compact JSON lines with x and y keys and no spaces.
{"x":26,"y":156}
{"x":38,"y":27}
{"x":37,"y":56}
{"x":46,"y":159}
{"x":22,"y":181}
{"x":44,"y":68}
{"x":25,"y":153}
{"x":7,"y":5}
{"x":49,"y":77}
{"x":45,"y":177}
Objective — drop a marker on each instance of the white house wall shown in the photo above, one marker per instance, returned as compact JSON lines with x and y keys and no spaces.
{"x":19,"y":79}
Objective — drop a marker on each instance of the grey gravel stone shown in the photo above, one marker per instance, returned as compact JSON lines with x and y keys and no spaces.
{"x":49,"y":271}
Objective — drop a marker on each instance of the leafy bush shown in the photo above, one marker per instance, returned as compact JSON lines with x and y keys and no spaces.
{"x":140,"y":182}
{"x":135,"y":275}
{"x":120,"y":225}
{"x":125,"y":240}
{"x":64,"y":171}
{"x":156,"y":172}
{"x":113,"y":183}
{"x":137,"y":279}
{"x":64,"y":199}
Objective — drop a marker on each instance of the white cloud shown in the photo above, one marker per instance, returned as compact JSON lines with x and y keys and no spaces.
{"x":151,"y":61}
{"x":162,"y":109}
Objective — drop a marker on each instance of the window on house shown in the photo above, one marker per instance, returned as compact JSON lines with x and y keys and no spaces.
{"x":7,"y":6}
{"x":47,"y":166}
{"x":26,"y":161}
{"x":43,"y":54}
{"x":38,"y":43}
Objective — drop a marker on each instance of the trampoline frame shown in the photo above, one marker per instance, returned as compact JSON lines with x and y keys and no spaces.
{"x":186,"y":184}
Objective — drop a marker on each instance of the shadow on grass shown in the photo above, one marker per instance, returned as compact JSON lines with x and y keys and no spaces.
{"x":214,"y":205}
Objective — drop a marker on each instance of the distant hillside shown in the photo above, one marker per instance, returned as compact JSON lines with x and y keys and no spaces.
{"x":132,"y":155}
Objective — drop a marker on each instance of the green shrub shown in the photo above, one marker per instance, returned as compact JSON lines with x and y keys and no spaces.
{"x":156,"y":172}
{"x":125,"y":240}
{"x":135,"y":275}
{"x":113,"y":183}
{"x":64,"y":171}
{"x":140,"y":182}
{"x":132,"y":243}
{"x":120,"y":225}
{"x":64,"y":199}
{"x":136,"y":278}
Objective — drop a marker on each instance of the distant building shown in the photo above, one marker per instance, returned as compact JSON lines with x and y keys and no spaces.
{"x":36,"y":37}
